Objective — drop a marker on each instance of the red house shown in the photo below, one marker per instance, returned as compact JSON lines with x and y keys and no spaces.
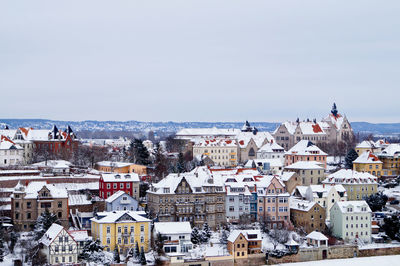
{"x":110,"y":183}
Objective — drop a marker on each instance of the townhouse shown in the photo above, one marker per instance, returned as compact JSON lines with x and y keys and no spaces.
{"x":109,"y":183}
{"x":222,"y":151}
{"x":271,"y":150}
{"x":308,"y":215}
{"x":390,"y":158}
{"x":121,"y":229}
{"x":307,"y":151}
{"x":176,"y":236}
{"x":351,"y":221}
{"x":309,"y":172}
{"x":368,"y":162}
{"x":241,"y":243}
{"x":121,"y":201}
{"x":358,"y":185}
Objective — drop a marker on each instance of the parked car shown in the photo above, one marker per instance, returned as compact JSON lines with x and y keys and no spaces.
{"x":394,"y":202}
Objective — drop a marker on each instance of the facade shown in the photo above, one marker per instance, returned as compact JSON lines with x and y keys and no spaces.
{"x":176,"y":236}
{"x":351,"y":221}
{"x":196,"y":196}
{"x":120,"y":167}
{"x":334,"y":128}
{"x":223,"y":151}
{"x":121,"y":201}
{"x":110,"y":183}
{"x":358,"y":185}
{"x":273,"y":202}
{"x":29,"y":202}
{"x":306,"y":151}
{"x":10,"y":152}
{"x":291,"y":180}
{"x":250,"y":140}
{"x":59,"y":246}
{"x":241,"y":243}
{"x":266,"y":166}
{"x":390,"y":158}
{"x":271,"y":150}
{"x":317,"y":239}
{"x":121,"y":229}
{"x":309,"y":172}
{"x":308,"y":215}
{"x":368,"y":162}
{"x":80,"y":237}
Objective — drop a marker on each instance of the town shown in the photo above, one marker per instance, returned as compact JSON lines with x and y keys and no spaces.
{"x":309,"y":190}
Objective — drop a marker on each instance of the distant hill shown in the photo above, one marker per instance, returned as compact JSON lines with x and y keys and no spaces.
{"x":138,"y":126}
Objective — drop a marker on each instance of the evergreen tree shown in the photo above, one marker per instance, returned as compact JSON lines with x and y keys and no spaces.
{"x":391,"y":226}
{"x":334,"y":110}
{"x":93,"y":252}
{"x":142,"y":257}
{"x":377,"y":201}
{"x":117,"y":258}
{"x":1,"y":248}
{"x":13,"y":241}
{"x":206,"y":230}
{"x":180,"y":165}
{"x":138,"y":153}
{"x":195,"y":236}
{"x":224,"y":237}
{"x":137,"y":252}
{"x":161,"y":168}
{"x":350,"y":157}
{"x":44,"y":222}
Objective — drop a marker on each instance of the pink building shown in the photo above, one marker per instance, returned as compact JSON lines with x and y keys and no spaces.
{"x":305,"y":150}
{"x":273,"y":202}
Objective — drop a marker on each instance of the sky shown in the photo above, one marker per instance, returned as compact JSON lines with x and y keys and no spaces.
{"x":219,"y":60}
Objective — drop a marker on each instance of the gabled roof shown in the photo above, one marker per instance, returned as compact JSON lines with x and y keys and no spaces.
{"x":305,"y":147}
{"x":51,"y":234}
{"x":367,"y":157}
{"x":259,"y":138}
{"x":391,"y":150}
{"x":271,"y":147}
{"x":7,"y":144}
{"x":301,"y":205}
{"x":79,"y":235}
{"x":348,"y":176}
{"x":235,"y":234}
{"x":118,"y":194}
{"x":355,"y":205}
{"x":316,"y":236}
{"x":34,"y":187}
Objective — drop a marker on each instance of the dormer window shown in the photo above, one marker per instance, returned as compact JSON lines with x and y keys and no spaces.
{"x":117,"y":176}
{"x":166,"y":190}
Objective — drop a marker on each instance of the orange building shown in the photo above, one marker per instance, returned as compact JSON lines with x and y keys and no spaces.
{"x":307,"y":151}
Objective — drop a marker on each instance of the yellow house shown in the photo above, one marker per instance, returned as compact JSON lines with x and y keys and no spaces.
{"x":122,"y":229}
{"x":365,"y":146}
{"x":368,"y":162}
{"x":121,"y":167}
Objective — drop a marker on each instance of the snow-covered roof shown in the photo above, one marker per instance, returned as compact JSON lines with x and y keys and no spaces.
{"x":367,"y":157}
{"x":235,"y":233}
{"x":116,"y":177}
{"x":337,"y":120}
{"x":204,"y":132}
{"x":366,"y":144}
{"x":171,"y":228}
{"x":321,"y":191}
{"x":216,"y":142}
{"x":79,"y":235}
{"x":311,"y":128}
{"x":301,"y":205}
{"x":285,"y":176}
{"x":259,"y":138}
{"x":272,"y":162}
{"x":305,"y":147}
{"x":348,"y":176}
{"x":78,"y":199}
{"x":306,"y":165}
{"x":34,"y":187}
{"x":271,"y":147}
{"x":113,"y":164}
{"x":316,"y":236}
{"x":116,"y":195}
{"x":302,"y":190}
{"x":391,"y":150}
{"x":356,"y":206}
{"x":291,"y":242}
{"x":120,"y":216}
{"x":7,"y":144}
{"x":51,"y":234}
{"x":54,"y":164}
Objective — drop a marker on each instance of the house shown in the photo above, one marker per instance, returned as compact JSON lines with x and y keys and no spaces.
{"x":10,"y":152}
{"x":176,"y":236}
{"x":358,"y":185}
{"x":121,"y":229}
{"x":55,"y":167}
{"x":109,"y":183}
{"x":291,"y":180}
{"x":271,"y":150}
{"x":273,"y":202}
{"x":308,"y":215}
{"x":80,"y":237}
{"x":390,"y":158}
{"x":309,"y":172}
{"x":364,"y":146}
{"x":222,"y":151}
{"x":307,"y":151}
{"x":368,"y":162}
{"x":120,"y":167}
{"x":121,"y":201}
{"x":351,"y":221}
{"x":59,"y":246}
{"x":241,"y":243}
{"x":317,"y":239}
{"x":326,"y":196}
{"x":266,"y":166}
{"x":250,"y":140}
{"x":29,"y":202}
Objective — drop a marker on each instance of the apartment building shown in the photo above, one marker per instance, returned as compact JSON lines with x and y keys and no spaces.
{"x":222,"y":151}
{"x":110,"y":183}
{"x":309,"y":172}
{"x":368,"y":162}
{"x":308,"y":215}
{"x":390,"y":158}
{"x":306,"y":151}
{"x":10,"y":152}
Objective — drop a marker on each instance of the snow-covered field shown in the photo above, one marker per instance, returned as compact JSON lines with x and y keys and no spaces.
{"x":366,"y":261}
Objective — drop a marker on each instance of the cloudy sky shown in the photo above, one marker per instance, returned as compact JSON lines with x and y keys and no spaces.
{"x":219,"y":60}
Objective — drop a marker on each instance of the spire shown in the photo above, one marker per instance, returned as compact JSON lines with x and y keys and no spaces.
{"x":334,"y":110}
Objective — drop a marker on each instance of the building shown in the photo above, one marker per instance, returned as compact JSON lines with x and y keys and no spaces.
{"x":390,"y":158}
{"x":55,"y":167}
{"x":308,"y":215}
{"x":197,"y":196}
{"x":199,"y":133}
{"x":120,"y":167}
{"x":291,"y":180}
{"x":317,"y":239}
{"x":176,"y":236}
{"x":10,"y":152}
{"x":326,"y":196}
{"x":306,"y":151}
{"x":59,"y":246}
{"x":368,"y":162}
{"x":309,"y":172}
{"x":334,"y":128}
{"x":241,"y":243}
{"x":273,"y":202}
{"x":271,"y":150}
{"x":121,"y":229}
{"x":110,"y":183}
{"x":80,"y":237}
{"x":121,"y":201}
{"x":250,"y":140}
{"x":358,"y":185}
{"x":351,"y":221}
{"x":29,"y":202}
{"x":266,"y":166}
{"x":222,"y":151}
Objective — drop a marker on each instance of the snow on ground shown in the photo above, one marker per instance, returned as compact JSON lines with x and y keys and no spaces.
{"x":366,"y":261}
{"x":380,"y":245}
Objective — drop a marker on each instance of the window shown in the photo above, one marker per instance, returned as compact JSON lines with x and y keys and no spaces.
{"x":141,"y":239}
{"x":121,"y":185}
{"x":108,"y":241}
{"x":56,"y":248}
{"x":108,"y":229}
{"x":59,"y":204}
{"x":63,"y":248}
{"x":115,"y":186}
{"x":108,"y":186}
{"x":70,"y":247}
{"x":142,"y":228}
{"x":70,"y":259}
{"x":60,"y":239}
{"x":119,"y":229}
{"x":59,"y":214}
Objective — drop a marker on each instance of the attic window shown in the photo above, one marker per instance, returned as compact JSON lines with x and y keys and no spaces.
{"x":117,"y":176}
{"x":127,"y":176}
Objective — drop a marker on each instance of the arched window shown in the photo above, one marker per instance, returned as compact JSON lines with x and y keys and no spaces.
{"x":252,"y":152}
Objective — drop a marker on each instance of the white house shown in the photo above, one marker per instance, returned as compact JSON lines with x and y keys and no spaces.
{"x":10,"y":152}
{"x":176,"y":235}
{"x":271,"y":150}
{"x":317,"y":239}
{"x":59,"y":246}
{"x":80,"y":236}
{"x":351,"y":221}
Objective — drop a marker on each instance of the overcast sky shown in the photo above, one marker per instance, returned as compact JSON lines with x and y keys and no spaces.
{"x":200,"y":60}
